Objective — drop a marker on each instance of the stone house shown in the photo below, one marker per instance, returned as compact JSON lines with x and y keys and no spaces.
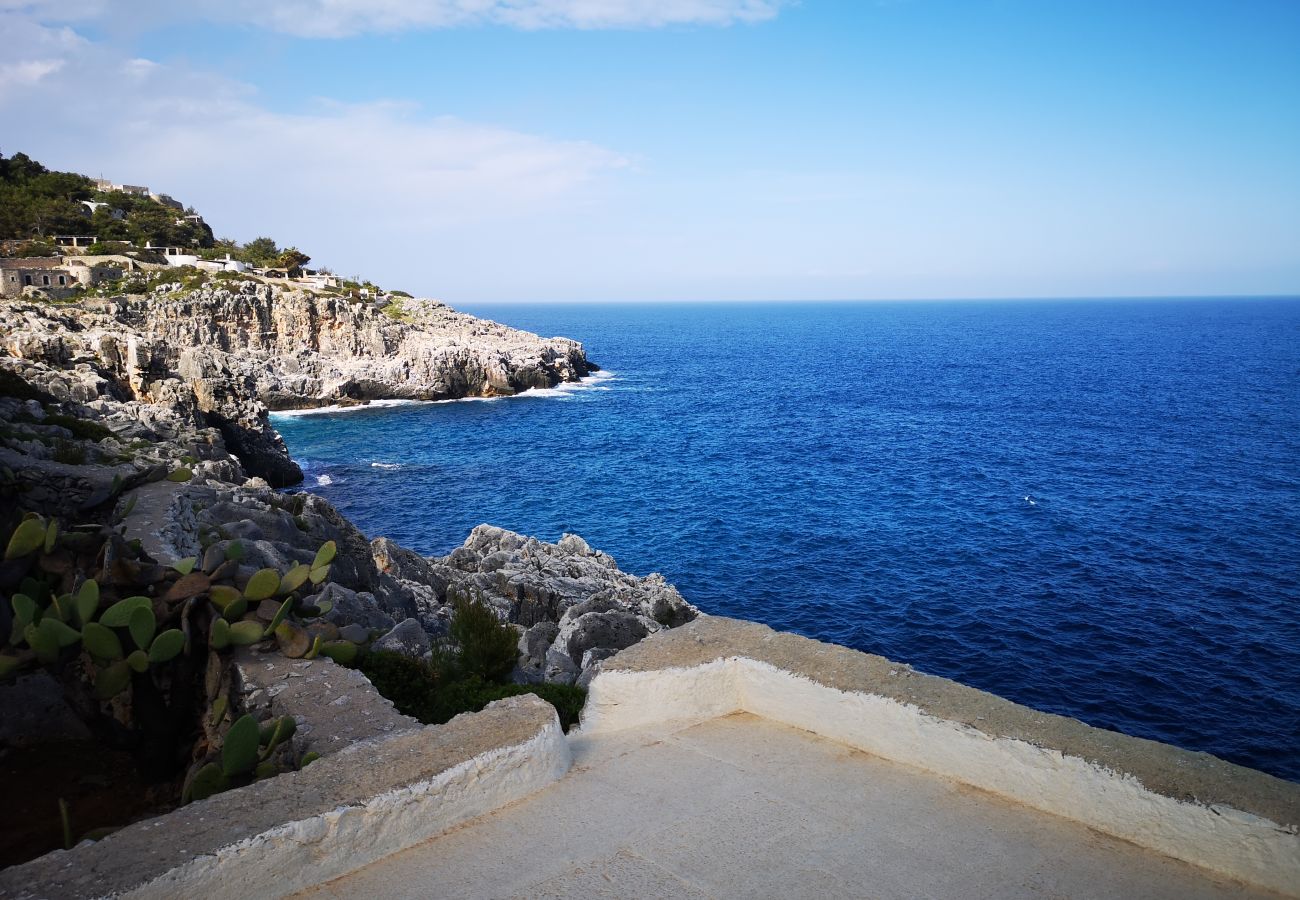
{"x":45,"y":273}
{"x":117,"y":260}
{"x":58,"y":277}
{"x":93,"y":270}
{"x":107,"y":185}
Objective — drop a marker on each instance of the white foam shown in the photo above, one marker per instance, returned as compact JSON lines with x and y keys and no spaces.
{"x":565,"y":390}
{"x":324,"y":479}
{"x":560,"y":392}
{"x":324,"y":410}
{"x":377,"y":465}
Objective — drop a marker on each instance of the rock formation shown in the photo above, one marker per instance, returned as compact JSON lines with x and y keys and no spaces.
{"x":228,"y":355}
{"x":572,"y":603}
{"x":103,"y":400}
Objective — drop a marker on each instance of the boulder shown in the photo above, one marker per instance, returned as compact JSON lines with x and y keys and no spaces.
{"x":407,"y":638}
{"x":604,"y":630}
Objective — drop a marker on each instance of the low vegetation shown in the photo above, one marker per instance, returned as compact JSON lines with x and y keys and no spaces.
{"x":36,"y":202}
{"x":466,"y":673}
{"x":132,"y":642}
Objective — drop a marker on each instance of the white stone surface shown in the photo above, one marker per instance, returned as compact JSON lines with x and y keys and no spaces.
{"x":308,"y":851}
{"x":1227,"y":841}
{"x":745,"y":807}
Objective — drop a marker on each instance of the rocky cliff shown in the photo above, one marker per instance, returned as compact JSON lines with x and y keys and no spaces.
{"x":170,"y":484}
{"x":155,"y":408}
{"x":233,"y":353}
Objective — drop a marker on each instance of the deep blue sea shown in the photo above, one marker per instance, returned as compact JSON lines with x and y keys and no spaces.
{"x":1090,"y":507}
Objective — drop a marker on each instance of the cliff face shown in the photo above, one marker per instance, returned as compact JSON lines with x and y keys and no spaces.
{"x":242,"y":351}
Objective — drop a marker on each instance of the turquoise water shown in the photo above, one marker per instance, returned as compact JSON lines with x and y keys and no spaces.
{"x":1089,"y":507}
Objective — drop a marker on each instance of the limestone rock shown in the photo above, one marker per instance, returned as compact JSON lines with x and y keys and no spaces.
{"x":227,"y":356}
{"x":612,"y":630}
{"x":572,"y":600}
{"x":407,"y":638}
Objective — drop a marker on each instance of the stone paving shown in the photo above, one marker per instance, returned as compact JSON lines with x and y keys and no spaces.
{"x":744,"y":807}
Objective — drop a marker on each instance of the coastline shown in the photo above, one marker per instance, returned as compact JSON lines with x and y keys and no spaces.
{"x":558,"y":391}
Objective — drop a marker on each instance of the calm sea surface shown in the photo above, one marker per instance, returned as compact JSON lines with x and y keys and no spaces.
{"x":1092,"y":508}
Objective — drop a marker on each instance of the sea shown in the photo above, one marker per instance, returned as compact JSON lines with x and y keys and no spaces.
{"x":1091,"y":507}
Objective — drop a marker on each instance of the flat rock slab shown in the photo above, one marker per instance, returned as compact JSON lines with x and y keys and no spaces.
{"x":743,"y":807}
{"x":333,"y":706}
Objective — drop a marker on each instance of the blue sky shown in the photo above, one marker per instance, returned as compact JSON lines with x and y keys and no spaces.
{"x":484,"y":150}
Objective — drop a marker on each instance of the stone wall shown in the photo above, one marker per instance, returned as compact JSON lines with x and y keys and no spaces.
{"x":1190,"y":806}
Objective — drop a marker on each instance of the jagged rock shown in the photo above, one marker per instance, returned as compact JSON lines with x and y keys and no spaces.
{"x":227,"y":356}
{"x":570,"y":598}
{"x":597,"y":655}
{"x":351,"y":607}
{"x":356,"y":633}
{"x":559,"y":667}
{"x":531,"y":581}
{"x":407,"y":638}
{"x":589,"y":673}
{"x":407,"y":565}
{"x":534,"y":643}
{"x":605,"y":630}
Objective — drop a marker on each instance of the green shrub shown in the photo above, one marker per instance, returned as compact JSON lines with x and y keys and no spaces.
{"x":37,"y":248}
{"x":395,"y":310}
{"x":428,"y":692}
{"x":107,"y":248}
{"x":486,"y":647}
{"x":411,"y":684}
{"x":69,"y":452}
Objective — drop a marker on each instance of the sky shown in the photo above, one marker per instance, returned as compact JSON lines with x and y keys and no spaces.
{"x":609,"y":150}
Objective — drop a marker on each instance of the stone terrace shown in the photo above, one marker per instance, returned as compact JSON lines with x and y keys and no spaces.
{"x":740,"y":806}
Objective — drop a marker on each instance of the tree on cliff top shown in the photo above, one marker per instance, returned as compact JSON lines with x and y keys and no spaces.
{"x":35,"y":201}
{"x":292,"y":258}
{"x":260,"y":251}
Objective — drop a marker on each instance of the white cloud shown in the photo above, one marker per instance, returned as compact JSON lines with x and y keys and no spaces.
{"x":359,"y":186}
{"x":342,"y":18}
{"x":27,"y":73}
{"x":334,"y":18}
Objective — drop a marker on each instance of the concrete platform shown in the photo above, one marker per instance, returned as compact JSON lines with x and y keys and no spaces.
{"x":740,"y":806}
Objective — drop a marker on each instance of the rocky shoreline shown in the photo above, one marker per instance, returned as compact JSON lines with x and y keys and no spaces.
{"x":224,"y":356}
{"x":104,"y":400}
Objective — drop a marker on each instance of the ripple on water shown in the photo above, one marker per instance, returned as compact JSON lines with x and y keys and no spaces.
{"x":858,"y":473}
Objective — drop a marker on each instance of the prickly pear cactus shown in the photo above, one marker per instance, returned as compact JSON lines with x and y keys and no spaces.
{"x":88,"y":605}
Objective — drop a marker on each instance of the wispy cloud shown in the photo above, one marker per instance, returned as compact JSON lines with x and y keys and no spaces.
{"x":351,"y":182}
{"x":343,"y":18}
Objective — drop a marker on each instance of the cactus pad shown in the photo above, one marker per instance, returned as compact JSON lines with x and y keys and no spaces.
{"x":239,"y":750}
{"x":167,"y":646}
{"x":263,"y":584}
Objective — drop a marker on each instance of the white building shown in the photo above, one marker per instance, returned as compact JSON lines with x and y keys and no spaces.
{"x":175,"y":256}
{"x":319,"y":280}
{"x":222,"y":265}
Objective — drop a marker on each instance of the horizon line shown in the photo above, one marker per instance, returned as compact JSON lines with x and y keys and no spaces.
{"x":1072,"y":298}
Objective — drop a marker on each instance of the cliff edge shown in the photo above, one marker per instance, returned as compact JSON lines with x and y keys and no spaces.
{"x":232,"y":353}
